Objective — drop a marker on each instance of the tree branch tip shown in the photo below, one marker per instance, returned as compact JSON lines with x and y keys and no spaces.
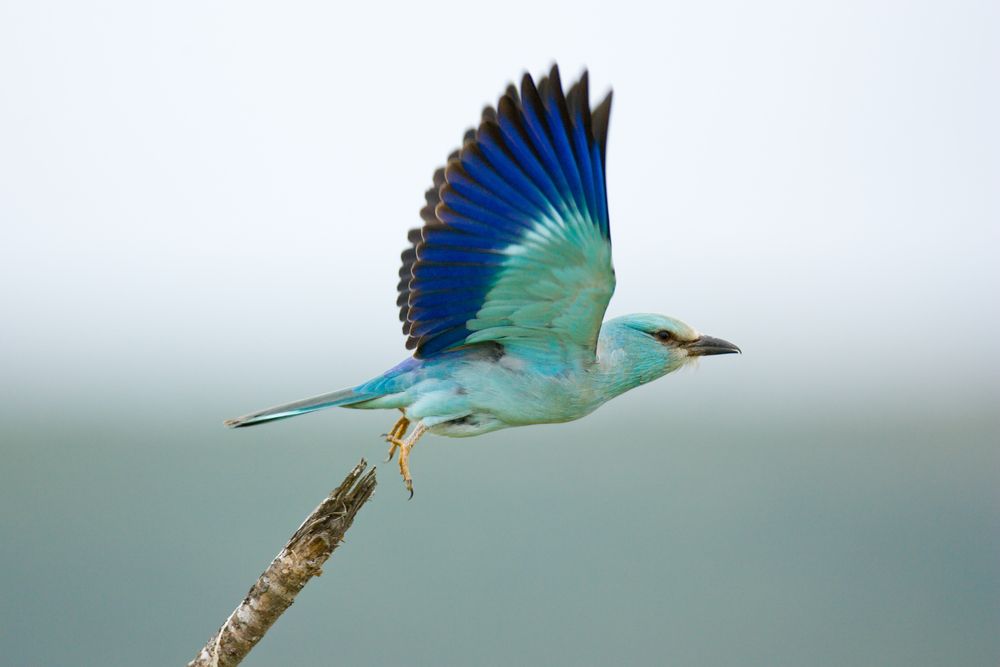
{"x":302,"y":558}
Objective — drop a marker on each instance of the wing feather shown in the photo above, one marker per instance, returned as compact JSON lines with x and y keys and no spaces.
{"x":515,"y":247}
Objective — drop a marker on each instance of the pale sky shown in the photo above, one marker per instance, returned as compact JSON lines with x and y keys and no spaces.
{"x":812,"y":181}
{"x":234,"y":180}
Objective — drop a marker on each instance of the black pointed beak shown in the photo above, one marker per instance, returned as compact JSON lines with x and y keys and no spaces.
{"x":707,"y":345}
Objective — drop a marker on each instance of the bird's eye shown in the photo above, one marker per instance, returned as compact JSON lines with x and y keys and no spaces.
{"x":663,"y":335}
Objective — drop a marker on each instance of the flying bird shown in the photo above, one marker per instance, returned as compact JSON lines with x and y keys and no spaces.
{"x":503,"y":290}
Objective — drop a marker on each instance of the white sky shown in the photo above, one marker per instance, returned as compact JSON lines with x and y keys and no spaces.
{"x":185,"y":188}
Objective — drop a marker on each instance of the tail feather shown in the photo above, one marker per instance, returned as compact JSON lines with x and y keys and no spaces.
{"x":342,"y":397}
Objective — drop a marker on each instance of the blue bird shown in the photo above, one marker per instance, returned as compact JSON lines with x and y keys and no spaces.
{"x":503,"y":290}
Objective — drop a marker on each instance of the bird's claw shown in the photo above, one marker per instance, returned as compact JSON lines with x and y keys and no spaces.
{"x":395,"y":436}
{"x":404,"y":467}
{"x":394,"y":444}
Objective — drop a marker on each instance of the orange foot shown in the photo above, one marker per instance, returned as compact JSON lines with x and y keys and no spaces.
{"x":395,"y":436}
{"x":404,"y":455}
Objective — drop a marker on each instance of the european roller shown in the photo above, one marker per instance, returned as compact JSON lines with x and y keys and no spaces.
{"x":503,"y":289}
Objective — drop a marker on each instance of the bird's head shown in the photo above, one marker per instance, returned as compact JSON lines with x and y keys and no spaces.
{"x":654,"y":345}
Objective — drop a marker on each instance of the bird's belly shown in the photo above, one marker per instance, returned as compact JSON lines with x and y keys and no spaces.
{"x":488,"y":418}
{"x":469,"y":425}
{"x":537,"y":400}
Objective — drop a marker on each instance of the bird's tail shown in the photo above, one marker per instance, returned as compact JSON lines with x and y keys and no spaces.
{"x":342,"y":397}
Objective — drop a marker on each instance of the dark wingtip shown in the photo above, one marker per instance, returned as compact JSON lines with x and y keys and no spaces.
{"x":512,"y":93}
{"x":528,"y":89}
{"x":554,"y":76}
{"x":599,"y":119}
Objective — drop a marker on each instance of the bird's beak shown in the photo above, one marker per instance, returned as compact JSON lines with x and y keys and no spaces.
{"x":706,"y":345}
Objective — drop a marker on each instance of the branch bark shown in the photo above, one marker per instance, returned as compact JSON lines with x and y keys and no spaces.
{"x":300,"y":560}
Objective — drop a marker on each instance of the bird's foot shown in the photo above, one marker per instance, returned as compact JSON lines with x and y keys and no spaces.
{"x":404,"y":456}
{"x":395,"y":436}
{"x":394,"y":444}
{"x":404,"y":466}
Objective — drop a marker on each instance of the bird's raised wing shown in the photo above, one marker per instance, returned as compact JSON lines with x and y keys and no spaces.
{"x":515,"y":246}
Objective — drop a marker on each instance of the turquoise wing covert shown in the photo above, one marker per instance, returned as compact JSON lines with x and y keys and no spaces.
{"x":515,"y":247}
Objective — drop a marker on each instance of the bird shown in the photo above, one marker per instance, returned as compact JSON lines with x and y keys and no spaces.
{"x":503,"y":289}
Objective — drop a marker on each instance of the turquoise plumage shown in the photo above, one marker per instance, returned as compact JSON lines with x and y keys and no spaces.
{"x":503,"y":292}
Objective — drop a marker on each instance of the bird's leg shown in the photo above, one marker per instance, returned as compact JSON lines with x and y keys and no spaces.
{"x":395,"y":436}
{"x":404,"y":455}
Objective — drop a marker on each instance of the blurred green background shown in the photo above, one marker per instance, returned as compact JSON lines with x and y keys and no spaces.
{"x":202,"y":207}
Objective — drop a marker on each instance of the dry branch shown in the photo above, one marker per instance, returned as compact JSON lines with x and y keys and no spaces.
{"x":300,"y":560}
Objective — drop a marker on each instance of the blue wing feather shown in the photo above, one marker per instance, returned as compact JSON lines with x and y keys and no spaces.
{"x":534,"y":200}
{"x":466,"y":187}
{"x":489,"y":216}
{"x":599,"y":191}
{"x":427,"y":286}
{"x":442,"y":341}
{"x":516,"y":245}
{"x":445,"y":237}
{"x":479,"y":168}
{"x":581,"y":130}
{"x":519,"y":145}
{"x":454,"y":298}
{"x":424,"y":270}
{"x":461,"y":223}
{"x":459,"y":255}
{"x":432,"y":327}
{"x":428,"y":314}
{"x":555,"y":104}
{"x":534,"y":117}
